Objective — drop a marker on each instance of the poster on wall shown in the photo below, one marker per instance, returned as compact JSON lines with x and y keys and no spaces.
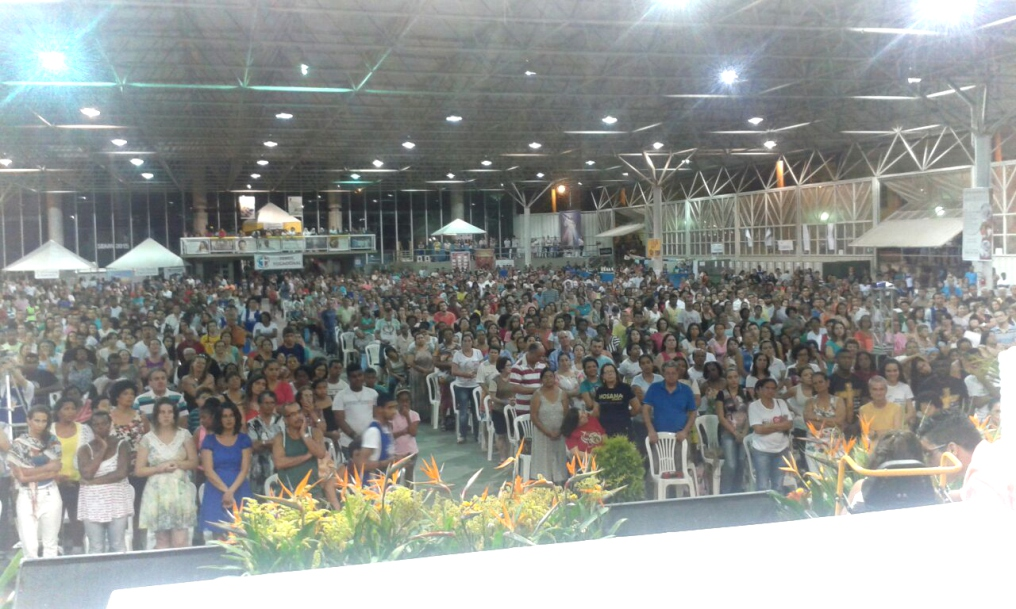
{"x":484,"y":258}
{"x":460,"y":261}
{"x":276,"y":262}
{"x":294,"y":205}
{"x":246,"y":207}
{"x":716,"y":248}
{"x":654,"y":249}
{"x":978,"y":233}
{"x":785,"y":245}
{"x":194,"y":246}
{"x":569,"y":229}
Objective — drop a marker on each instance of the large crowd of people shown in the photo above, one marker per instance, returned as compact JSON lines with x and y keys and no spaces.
{"x":143,"y":412}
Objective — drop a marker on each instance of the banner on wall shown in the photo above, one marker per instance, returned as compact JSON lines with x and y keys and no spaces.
{"x":570,"y":229}
{"x":978,"y":232}
{"x":246,"y":207}
{"x":654,"y":249}
{"x":785,"y":245}
{"x":716,"y":248}
{"x":276,"y":262}
{"x":294,"y":205}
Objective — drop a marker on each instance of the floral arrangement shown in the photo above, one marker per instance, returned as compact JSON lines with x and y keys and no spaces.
{"x":380,"y":520}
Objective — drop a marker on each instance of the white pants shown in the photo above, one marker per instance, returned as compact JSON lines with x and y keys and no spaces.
{"x":42,"y":523}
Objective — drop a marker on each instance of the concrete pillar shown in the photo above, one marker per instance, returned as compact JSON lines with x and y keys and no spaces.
{"x":55,"y":215}
{"x":200,"y":198}
{"x":981,"y":178}
{"x":527,"y":247}
{"x":658,"y":225}
{"x":334,"y":212}
{"x":458,"y":203}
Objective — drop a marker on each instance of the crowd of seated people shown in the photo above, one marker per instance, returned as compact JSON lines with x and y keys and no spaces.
{"x":129,"y":398}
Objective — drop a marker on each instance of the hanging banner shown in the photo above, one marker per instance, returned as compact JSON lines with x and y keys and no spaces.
{"x":785,"y":245}
{"x":716,"y":248}
{"x":47,"y":274}
{"x":978,"y":232}
{"x":146,"y":272}
{"x":294,"y":205}
{"x":246,"y":203}
{"x":276,"y":262}
{"x":654,"y":249}
{"x":460,"y":261}
{"x":570,"y":223}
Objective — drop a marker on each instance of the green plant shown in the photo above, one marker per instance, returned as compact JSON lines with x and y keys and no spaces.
{"x":8,"y":579}
{"x":621,"y":469}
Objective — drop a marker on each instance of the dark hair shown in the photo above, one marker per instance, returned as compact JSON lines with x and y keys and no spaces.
{"x":570,"y":422}
{"x":353,"y":368}
{"x":267,"y":393}
{"x":947,"y":426}
{"x":929,"y":397}
{"x":100,"y":414}
{"x":766,"y":381}
{"x":217,"y":426}
{"x":159,"y":404}
{"x":897,"y":445}
{"x":119,"y":387}
{"x":891,"y":360}
{"x":545,"y":372}
{"x":34,"y":410}
{"x":63,"y":400}
{"x":502,"y":362}
{"x":589,"y":359}
{"x":211,"y":406}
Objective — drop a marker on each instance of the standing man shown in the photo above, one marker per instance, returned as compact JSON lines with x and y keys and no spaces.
{"x":670,"y":406}
{"x":158,"y":388}
{"x":525,"y":376}
{"x":353,"y":408}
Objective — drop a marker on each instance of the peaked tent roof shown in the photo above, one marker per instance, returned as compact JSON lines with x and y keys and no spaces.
{"x":51,"y":256}
{"x":275,"y":215}
{"x":457,"y":226}
{"x":149,"y":254}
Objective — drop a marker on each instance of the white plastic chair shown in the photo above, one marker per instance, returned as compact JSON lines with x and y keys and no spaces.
{"x":662,"y":460}
{"x":271,"y":481}
{"x":53,"y":397}
{"x":487,"y":427}
{"x":510,"y":414}
{"x":709,"y":446}
{"x":751,"y":464}
{"x":477,"y":394}
{"x":434,"y":395}
{"x":332,"y":452}
{"x":349,"y":352}
{"x":523,"y":430}
{"x":373,"y":351}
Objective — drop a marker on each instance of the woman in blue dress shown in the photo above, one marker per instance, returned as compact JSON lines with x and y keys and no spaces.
{"x":225,"y":457}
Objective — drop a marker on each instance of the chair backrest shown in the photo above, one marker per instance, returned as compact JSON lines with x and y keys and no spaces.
{"x":898,"y":492}
{"x":433,"y":390}
{"x":346,"y":341}
{"x":523,"y":426}
{"x":748,"y":439}
{"x":373,"y":355}
{"x":665,"y":460}
{"x":708,"y":428}
{"x":477,"y":399}
{"x":488,"y":404}
{"x":334,"y":454}
{"x":510,"y":415}
{"x":269,"y":483}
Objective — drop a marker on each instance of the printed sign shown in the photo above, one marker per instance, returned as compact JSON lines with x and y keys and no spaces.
{"x":361,"y":243}
{"x":715,"y":248}
{"x":47,"y":274}
{"x":978,"y":232}
{"x":654,"y":249}
{"x":785,"y":245}
{"x":294,"y":205}
{"x":275,"y":262}
{"x":246,"y":207}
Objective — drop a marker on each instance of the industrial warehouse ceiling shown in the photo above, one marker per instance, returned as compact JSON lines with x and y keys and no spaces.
{"x":353,"y":92}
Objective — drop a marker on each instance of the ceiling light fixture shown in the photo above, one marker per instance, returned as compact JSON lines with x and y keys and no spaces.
{"x":450,"y":176}
{"x":535,"y":145}
{"x":148,"y":176}
{"x":119,"y":143}
{"x":255,"y":176}
{"x":453,"y":118}
{"x":561,"y":189}
{"x":657,"y":145}
{"x":539,"y":175}
{"x":53,"y":61}
{"x":590,"y":163}
{"x":914,"y":80}
{"x":530,"y":73}
{"x":248,"y":187}
{"x":625,"y":174}
{"x":284,"y":116}
{"x":408,"y":145}
{"x":769,"y":144}
{"x":90,"y":112}
{"x":756,"y":120}
{"x":378,"y":163}
{"x":728,"y":76}
{"x":262,"y":162}
{"x":609,"y":120}
{"x":945,"y":12}
{"x":6,"y":162}
{"x":940,"y":211}
{"x":486,"y":163}
{"x":355,"y":176}
{"x":824,"y":216}
{"x":304,"y":69}
{"x":137,"y":162}
{"x":271,"y":144}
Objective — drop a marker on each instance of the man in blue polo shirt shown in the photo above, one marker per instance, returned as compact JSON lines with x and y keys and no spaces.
{"x":669,"y":406}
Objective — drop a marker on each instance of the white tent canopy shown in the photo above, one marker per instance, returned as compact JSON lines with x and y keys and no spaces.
{"x":149,"y":254}
{"x":273,"y":217}
{"x":51,"y":257}
{"x":457,"y":227}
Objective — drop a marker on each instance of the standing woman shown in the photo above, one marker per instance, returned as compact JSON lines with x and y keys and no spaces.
{"x":669,"y":352}
{"x":825,"y":410}
{"x":617,"y":402}
{"x":547,"y":408}
{"x":420,"y":362}
{"x":732,"y":411}
{"x":395,"y":369}
{"x":165,"y":456}
{"x":35,"y":462}
{"x":225,"y":459}
{"x":465,"y":363}
{"x":129,"y":426}
{"x":502,"y":394}
{"x":71,"y":435}
{"x":759,"y":371}
{"x":106,"y":499}
{"x":568,"y":379}
{"x":234,"y":390}
{"x":771,"y":420}
{"x":256,"y":385}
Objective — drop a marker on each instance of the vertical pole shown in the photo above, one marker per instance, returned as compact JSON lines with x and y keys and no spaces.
{"x":381,"y":220}
{"x":398,"y":244}
{"x":981,"y":178}
{"x":412,"y":228}
{"x":527,"y":246}
{"x":658,"y":225}
{"x":426,"y":221}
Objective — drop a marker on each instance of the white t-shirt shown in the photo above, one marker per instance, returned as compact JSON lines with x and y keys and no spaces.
{"x":758,"y":414}
{"x":359,"y":409}
{"x":900,"y":393}
{"x":335,"y":388}
{"x":466,"y":363}
{"x":261,"y":329}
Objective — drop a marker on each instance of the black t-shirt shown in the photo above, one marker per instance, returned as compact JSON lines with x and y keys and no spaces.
{"x":839,"y":385}
{"x":614,"y":414}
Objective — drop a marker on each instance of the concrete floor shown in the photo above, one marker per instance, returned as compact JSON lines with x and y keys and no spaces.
{"x":459,"y":461}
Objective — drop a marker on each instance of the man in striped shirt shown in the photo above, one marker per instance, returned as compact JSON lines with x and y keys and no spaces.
{"x":158,"y":388}
{"x":526,"y":376}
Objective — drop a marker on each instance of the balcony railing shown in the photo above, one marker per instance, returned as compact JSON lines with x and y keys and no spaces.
{"x":199,"y":247}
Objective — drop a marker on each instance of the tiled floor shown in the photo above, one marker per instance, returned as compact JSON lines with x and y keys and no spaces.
{"x":459,"y":461}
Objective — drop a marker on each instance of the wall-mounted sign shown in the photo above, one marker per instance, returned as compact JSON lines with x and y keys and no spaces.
{"x":785,"y":245}
{"x":275,"y":262}
{"x":715,"y":248}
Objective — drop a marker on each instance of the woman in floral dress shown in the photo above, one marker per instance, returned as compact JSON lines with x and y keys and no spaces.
{"x":165,"y":457}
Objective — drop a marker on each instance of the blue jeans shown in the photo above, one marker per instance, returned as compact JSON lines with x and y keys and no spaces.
{"x":767,"y":470}
{"x":463,"y":397}
{"x":732,"y":475}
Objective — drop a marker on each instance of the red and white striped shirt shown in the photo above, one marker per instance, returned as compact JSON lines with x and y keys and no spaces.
{"x":523,"y":374}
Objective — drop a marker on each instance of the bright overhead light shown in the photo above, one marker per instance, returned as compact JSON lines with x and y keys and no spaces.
{"x":486,"y":163}
{"x":119,"y":143}
{"x":271,"y":144}
{"x":913,"y":80}
{"x":355,"y":176}
{"x":408,"y":145}
{"x":728,"y":76}
{"x":6,"y":162}
{"x":304,"y":69}
{"x":378,"y":163}
{"x":530,"y":73}
{"x":756,"y":120}
{"x":939,"y":211}
{"x":539,"y":175}
{"x":255,"y":176}
{"x":657,"y":145}
{"x":625,"y":174}
{"x":453,"y":118}
{"x":148,"y":176}
{"x":609,"y":120}
{"x":90,"y":112}
{"x":535,"y":145}
{"x":824,"y":216}
{"x":945,"y":12}
{"x":769,"y":144}
{"x":53,"y":61}
{"x":590,"y":163}
{"x":248,"y":187}
{"x":672,"y":3}
{"x":137,"y":162}
{"x":561,"y":189}
{"x":284,"y":116}
{"x":262,"y":162}
{"x":450,"y":176}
